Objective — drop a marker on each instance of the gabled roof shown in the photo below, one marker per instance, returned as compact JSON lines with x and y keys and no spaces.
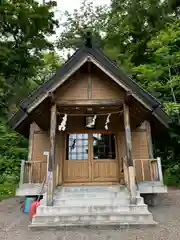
{"x":75,"y":62}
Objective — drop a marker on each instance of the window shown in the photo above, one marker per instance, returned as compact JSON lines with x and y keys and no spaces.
{"x":77,"y":146}
{"x":104,"y":146}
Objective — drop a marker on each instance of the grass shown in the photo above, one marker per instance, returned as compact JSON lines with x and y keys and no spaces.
{"x":7,"y":190}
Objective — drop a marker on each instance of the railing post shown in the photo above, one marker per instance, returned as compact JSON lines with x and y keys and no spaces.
{"x":159,"y":169}
{"x":30,"y":172}
{"x":57,"y":174}
{"x":22,"y":172}
{"x":47,"y":158}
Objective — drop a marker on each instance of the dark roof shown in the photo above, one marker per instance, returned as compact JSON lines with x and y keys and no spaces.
{"x":107,"y":64}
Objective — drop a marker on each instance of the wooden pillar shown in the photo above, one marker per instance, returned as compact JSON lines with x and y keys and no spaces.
{"x":159,"y":166}
{"x":51,"y":164}
{"x":22,"y":173}
{"x":128,"y":135}
{"x":149,"y":140}
{"x":131,"y":170}
{"x":30,"y":149}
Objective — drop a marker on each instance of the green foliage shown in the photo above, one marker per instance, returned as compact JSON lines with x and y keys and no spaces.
{"x":142,"y":36}
{"x":24,"y":28}
{"x":7,"y":189}
{"x":51,"y":62}
{"x":172,"y":176}
{"x":76,"y":25}
{"x":13,"y":148}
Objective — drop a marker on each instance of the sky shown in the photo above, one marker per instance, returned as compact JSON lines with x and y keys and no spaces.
{"x":70,"y":5}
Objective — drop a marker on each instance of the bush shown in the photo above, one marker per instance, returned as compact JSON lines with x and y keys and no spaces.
{"x":7,"y":187}
{"x":172,"y":176}
{"x":13,"y":148}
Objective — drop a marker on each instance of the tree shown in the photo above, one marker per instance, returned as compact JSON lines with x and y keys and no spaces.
{"x":161,"y":77}
{"x":133,"y":23}
{"x":51,"y":62}
{"x":75,"y":25}
{"x":24,"y":27}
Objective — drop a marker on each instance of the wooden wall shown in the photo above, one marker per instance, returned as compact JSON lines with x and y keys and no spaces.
{"x":77,"y":88}
{"x":41,"y":144}
{"x":101,"y":87}
{"x":140,"y":151}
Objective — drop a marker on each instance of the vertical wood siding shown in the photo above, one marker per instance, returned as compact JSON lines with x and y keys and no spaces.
{"x":77,"y":88}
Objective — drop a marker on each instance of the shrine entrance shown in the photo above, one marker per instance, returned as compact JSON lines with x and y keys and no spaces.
{"x":91,"y":158}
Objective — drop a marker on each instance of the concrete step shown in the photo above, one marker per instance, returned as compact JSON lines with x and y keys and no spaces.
{"x":89,"y":206}
{"x":45,"y":225}
{"x":30,"y":189}
{"x":95,"y":201}
{"x":115,"y":188}
{"x":92,"y":196}
{"x":90,"y":219}
{"x":56,"y":210}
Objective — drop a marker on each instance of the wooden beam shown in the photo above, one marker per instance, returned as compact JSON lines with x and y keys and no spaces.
{"x":89,"y":81}
{"x":84,"y":102}
{"x":51,"y":164}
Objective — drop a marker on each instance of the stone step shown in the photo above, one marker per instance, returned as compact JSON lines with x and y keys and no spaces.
{"x":95,"y":201}
{"x":115,"y":188}
{"x":90,"y":219}
{"x":91,"y":209}
{"x":92,"y":195}
{"x":45,"y":225}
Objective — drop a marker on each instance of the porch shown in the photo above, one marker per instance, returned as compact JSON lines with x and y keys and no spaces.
{"x":150,"y":181}
{"x":83,"y":153}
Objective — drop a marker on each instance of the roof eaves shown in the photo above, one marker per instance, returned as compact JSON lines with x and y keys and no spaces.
{"x":162,"y":116}
{"x":18,"y":117}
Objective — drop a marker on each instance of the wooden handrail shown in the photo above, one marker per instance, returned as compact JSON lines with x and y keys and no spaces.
{"x":145,"y":159}
{"x":33,"y":162}
{"x":151,"y":171}
{"x":33,"y":171}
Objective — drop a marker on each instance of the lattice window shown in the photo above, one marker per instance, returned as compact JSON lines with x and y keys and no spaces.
{"x":104,"y":146}
{"x":77,"y":146}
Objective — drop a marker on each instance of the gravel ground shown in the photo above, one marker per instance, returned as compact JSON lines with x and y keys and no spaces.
{"x":14,"y":224}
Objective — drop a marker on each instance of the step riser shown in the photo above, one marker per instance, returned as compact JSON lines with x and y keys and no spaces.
{"x":91,"y":195}
{"x":95,"y":201}
{"x":87,"y":210}
{"x":93,"y":189}
{"x":75,"y":220}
